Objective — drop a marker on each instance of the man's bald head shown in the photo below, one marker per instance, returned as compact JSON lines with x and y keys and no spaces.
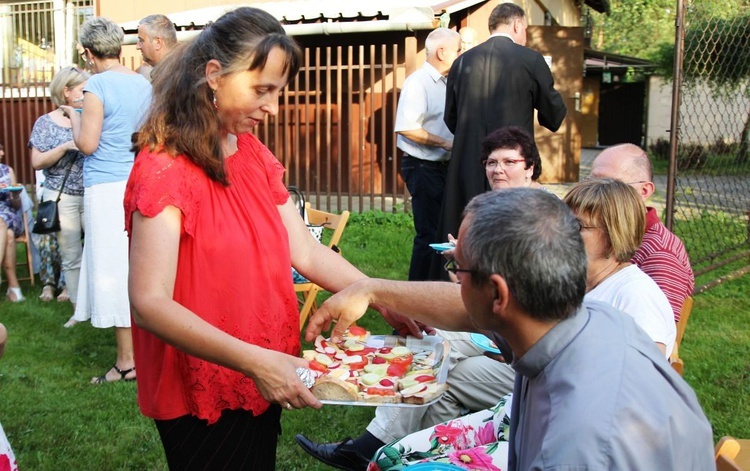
{"x":628,"y":163}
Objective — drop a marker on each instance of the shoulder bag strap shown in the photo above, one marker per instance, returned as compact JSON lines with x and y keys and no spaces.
{"x":65,"y":179}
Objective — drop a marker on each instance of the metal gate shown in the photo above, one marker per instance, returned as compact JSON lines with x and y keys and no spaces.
{"x":708,"y":197}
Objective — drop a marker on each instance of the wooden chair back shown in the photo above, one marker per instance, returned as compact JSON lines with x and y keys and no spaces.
{"x":335,"y":224}
{"x":25,"y":238}
{"x":726,"y":451}
{"x":674,"y":358}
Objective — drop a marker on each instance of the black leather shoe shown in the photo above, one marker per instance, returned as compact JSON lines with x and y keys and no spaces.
{"x":339,"y":455}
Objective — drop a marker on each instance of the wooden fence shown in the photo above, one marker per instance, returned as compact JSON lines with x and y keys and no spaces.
{"x":333,"y":132}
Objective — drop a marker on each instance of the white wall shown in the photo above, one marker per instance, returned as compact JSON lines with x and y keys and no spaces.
{"x":704,"y":117}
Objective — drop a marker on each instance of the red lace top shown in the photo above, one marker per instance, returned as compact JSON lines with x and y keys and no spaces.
{"x":233,"y":271}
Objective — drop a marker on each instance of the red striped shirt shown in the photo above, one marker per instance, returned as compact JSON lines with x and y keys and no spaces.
{"x":663,"y":257}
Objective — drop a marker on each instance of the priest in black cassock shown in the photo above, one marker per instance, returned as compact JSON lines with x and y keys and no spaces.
{"x":495,"y":84}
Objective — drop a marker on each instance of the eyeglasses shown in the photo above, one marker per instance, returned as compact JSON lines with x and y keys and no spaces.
{"x":452,"y":267}
{"x":582,"y":226}
{"x":592,"y":178}
{"x":506,"y":164}
{"x":83,"y":56}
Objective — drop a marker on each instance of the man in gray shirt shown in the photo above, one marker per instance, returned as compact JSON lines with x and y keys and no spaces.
{"x":592,"y":391}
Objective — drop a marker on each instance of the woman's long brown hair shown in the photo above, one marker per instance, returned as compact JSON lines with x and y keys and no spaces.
{"x":182,"y":118}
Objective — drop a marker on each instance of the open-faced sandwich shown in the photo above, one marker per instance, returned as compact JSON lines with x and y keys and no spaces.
{"x":356,"y":371}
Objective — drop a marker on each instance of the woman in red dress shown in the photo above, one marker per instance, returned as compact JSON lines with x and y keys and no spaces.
{"x":213,"y":234}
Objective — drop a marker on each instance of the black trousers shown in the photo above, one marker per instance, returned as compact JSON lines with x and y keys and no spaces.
{"x":237,"y":441}
{"x":426,"y":183}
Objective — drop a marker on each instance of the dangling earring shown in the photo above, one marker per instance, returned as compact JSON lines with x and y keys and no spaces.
{"x":216,"y":106}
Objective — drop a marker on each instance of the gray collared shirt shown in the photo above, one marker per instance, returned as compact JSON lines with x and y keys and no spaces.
{"x":595,"y":393}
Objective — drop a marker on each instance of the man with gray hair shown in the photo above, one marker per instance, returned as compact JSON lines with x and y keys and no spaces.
{"x":592,"y":390}
{"x":426,"y":142}
{"x":157,"y":36}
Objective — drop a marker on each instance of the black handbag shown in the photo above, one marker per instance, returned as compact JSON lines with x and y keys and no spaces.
{"x":47,"y":218}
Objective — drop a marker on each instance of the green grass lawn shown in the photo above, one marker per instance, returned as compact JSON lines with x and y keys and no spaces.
{"x":55,"y":420}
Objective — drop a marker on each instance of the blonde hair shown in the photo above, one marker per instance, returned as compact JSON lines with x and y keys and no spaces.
{"x":67,"y":77}
{"x":616,"y":208}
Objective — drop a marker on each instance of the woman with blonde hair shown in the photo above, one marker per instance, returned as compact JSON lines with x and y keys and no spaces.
{"x":55,"y":153}
{"x":612,"y":218}
{"x":115,"y":99}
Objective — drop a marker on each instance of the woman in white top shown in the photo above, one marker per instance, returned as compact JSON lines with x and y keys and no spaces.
{"x":613,"y":218}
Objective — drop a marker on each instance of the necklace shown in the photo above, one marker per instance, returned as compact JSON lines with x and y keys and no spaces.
{"x":111,"y":65}
{"x":600,"y":278}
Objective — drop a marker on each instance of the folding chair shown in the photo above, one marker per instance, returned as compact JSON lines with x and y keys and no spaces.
{"x":25,"y":238}
{"x":334,"y":223}
{"x":674,"y":358}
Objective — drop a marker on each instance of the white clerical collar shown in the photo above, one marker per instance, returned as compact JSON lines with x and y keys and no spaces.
{"x":503,"y":34}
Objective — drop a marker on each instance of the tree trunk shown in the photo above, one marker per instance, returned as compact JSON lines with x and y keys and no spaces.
{"x":742,"y":151}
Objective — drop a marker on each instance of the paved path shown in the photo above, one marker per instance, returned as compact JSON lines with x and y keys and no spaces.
{"x":587,"y":156}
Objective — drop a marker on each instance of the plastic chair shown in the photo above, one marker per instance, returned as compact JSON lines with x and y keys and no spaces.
{"x":335,"y":223}
{"x":25,"y":239}
{"x":674,"y":358}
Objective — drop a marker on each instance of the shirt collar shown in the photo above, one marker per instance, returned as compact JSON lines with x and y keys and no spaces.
{"x":432,"y":72}
{"x":548,"y":347}
{"x":652,"y":218}
{"x":503,"y":34}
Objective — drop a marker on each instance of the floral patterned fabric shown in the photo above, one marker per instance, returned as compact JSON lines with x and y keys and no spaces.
{"x":7,"y":213}
{"x":7,"y":459}
{"x":51,"y":261}
{"x":47,"y":135}
{"x":476,"y":442}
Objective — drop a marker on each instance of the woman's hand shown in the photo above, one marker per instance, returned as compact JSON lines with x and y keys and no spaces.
{"x":67,"y":110}
{"x":345,"y":307}
{"x":276,"y":378}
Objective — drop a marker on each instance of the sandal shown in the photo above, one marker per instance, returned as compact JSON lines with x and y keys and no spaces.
{"x":48,"y":292}
{"x":71,"y":322}
{"x":103,"y":378}
{"x":17,"y":295}
{"x":63,"y":297}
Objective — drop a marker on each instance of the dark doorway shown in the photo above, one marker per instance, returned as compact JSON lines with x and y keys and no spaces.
{"x":621,"y":113}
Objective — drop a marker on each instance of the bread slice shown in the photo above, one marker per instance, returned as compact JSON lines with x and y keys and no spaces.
{"x":423,"y":393}
{"x":378,"y":399}
{"x":332,"y":389}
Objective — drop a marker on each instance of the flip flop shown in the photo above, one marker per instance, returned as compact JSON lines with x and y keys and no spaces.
{"x":103,"y":378}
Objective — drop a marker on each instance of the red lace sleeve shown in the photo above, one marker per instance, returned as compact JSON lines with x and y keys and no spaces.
{"x":159,"y":180}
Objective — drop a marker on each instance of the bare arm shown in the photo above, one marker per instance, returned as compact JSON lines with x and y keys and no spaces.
{"x":318,"y":263}
{"x":313,"y":260}
{"x":422,"y":136}
{"x":153,"y":268}
{"x":15,"y":196}
{"x":435,"y":303}
{"x":3,"y":339}
{"x":87,"y":126}
{"x":41,"y":160}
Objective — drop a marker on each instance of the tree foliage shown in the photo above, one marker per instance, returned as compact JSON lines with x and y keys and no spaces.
{"x":634,"y":27}
{"x":645,"y":28}
{"x":717,"y":49}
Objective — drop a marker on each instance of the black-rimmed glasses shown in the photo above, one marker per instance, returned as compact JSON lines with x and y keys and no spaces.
{"x":452,"y":267}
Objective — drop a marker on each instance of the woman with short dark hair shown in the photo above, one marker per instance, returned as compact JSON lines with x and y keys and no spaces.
{"x":115,"y":99}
